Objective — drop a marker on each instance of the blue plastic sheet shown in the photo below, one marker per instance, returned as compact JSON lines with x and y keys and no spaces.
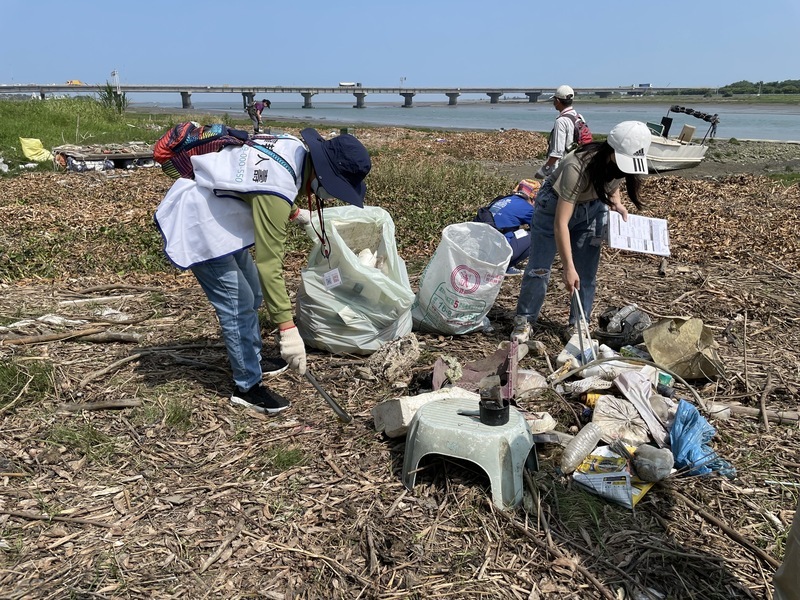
{"x":689,"y":437}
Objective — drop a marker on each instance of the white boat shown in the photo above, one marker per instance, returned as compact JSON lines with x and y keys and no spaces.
{"x":681,"y":151}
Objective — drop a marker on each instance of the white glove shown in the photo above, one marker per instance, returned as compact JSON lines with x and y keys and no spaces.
{"x":293,"y":350}
{"x":303,"y":216}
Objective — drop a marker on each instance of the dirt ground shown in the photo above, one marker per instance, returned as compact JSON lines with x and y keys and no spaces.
{"x":137,"y":478}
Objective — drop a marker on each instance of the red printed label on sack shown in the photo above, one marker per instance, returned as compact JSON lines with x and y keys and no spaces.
{"x":465,"y":280}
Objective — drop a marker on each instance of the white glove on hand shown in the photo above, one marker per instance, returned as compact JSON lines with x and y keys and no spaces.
{"x":293,"y":350}
{"x":303,"y":216}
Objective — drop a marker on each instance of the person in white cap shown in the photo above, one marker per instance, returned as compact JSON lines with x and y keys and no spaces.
{"x":563,"y":133}
{"x":571,"y":211}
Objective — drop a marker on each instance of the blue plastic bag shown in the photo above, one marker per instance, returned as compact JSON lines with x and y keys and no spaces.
{"x":689,"y":437}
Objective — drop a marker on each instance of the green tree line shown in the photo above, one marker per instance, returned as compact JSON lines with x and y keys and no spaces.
{"x":789,"y":86}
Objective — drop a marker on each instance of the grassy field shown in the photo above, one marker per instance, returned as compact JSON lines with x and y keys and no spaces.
{"x":82,"y":121}
{"x":135,"y":245}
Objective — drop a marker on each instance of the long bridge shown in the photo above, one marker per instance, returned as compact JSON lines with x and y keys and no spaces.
{"x":249,"y":92}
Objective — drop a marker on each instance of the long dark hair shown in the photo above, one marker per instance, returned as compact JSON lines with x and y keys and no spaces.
{"x":601,"y":169}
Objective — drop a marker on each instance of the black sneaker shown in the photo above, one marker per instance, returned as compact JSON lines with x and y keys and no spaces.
{"x":260,"y":398}
{"x":273,"y":365}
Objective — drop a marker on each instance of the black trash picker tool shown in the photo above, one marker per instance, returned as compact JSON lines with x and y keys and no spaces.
{"x":337,"y":408}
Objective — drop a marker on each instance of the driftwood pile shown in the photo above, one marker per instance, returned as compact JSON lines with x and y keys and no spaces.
{"x":135,"y":478}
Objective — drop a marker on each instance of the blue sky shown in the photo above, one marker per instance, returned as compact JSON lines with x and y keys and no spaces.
{"x":460,"y":43}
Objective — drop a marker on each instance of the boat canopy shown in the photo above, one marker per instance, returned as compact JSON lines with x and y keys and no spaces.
{"x":713,"y":119}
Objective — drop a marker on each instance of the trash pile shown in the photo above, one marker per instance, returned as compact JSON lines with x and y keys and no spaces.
{"x":640,"y":414}
{"x":639,"y":428}
{"x":103,"y":157}
{"x":641,"y":422}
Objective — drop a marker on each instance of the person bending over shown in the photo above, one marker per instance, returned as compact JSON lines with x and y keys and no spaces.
{"x":511,"y":215}
{"x":243,"y":196}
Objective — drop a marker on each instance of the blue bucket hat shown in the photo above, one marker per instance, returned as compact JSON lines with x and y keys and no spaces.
{"x":341,"y":164}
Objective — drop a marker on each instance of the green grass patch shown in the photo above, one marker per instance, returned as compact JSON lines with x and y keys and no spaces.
{"x":278,"y":459}
{"x":178,"y":415}
{"x":80,"y":120}
{"x":162,"y":407}
{"x":147,"y":414}
{"x":24,"y":382}
{"x":787,"y":179}
{"x":425,"y":196}
{"x":85,"y":120}
{"x":85,"y":439}
{"x":120,"y":248}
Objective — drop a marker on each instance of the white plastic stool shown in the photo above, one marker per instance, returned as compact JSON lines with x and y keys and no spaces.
{"x":502,"y":451}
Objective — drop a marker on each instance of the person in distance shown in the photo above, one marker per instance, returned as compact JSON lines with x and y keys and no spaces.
{"x":255,"y":111}
{"x":563,"y":132}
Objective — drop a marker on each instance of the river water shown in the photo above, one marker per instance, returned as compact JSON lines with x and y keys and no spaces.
{"x":779,"y":122}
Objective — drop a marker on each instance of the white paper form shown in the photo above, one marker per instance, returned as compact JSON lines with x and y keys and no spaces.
{"x":638,"y":234}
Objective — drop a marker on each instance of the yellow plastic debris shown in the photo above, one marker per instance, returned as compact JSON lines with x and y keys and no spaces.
{"x":32,"y":148}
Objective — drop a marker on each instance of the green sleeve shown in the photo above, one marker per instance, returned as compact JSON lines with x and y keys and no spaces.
{"x":271,"y":219}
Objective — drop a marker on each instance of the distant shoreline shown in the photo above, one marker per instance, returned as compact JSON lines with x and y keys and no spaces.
{"x":775,"y":120}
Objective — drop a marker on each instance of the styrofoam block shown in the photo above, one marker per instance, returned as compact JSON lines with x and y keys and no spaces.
{"x":393,"y":416}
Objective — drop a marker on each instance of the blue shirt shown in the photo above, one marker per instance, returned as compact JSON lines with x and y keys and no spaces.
{"x":511,"y":212}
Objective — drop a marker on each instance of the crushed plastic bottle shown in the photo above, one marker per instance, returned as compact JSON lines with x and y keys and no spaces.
{"x":615,"y":324}
{"x":579,"y":447}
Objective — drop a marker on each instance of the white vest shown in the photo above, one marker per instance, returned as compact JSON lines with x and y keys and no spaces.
{"x":203,"y":219}
{"x":272,"y":168}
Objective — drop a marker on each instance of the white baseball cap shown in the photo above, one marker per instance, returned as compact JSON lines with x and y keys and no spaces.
{"x":630,"y":141}
{"x":564,"y":92}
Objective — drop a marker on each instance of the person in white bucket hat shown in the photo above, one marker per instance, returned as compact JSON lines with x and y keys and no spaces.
{"x":571,"y":212}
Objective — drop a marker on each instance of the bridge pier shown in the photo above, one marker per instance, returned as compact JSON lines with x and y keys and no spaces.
{"x":452,"y":98}
{"x":247,"y":98}
{"x":494,"y":97}
{"x":359,"y":99}
{"x":533,"y":96}
{"x":603,"y":94}
{"x":407,"y":96}
{"x":307,"y":99}
{"x":186,"y":100}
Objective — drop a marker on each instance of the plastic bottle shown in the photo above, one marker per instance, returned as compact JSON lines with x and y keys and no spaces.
{"x":615,"y":324}
{"x":579,"y":447}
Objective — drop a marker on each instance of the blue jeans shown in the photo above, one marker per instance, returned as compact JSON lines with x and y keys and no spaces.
{"x":520,"y":248}
{"x":232,"y":286}
{"x":585,"y":228}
